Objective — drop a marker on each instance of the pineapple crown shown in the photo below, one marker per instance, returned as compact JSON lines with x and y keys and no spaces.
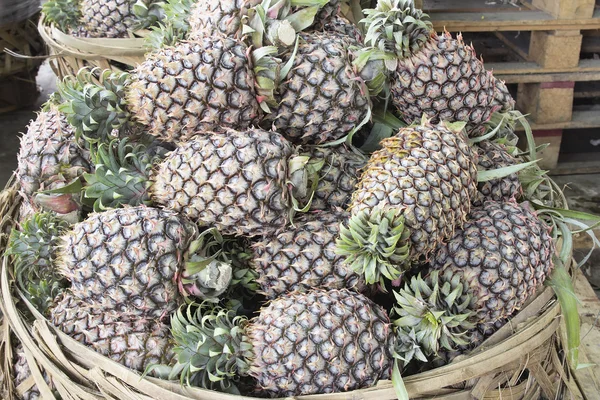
{"x":375,"y":243}
{"x":212,"y":347}
{"x":121,"y":176}
{"x":148,"y":13}
{"x":438,"y":309}
{"x":63,"y":13}
{"x":95,"y":109}
{"x":407,"y":346}
{"x":33,"y":250}
{"x":396,"y":27}
{"x":271,"y":29}
{"x":174,"y":25}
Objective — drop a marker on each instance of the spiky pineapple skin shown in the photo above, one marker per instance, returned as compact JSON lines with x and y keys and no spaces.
{"x":321,"y":98}
{"x":428,"y":172}
{"x":127,"y":260}
{"x":234,"y":181}
{"x":493,"y":156}
{"x":133,"y":342}
{"x":327,"y":14}
{"x":107,"y":18}
{"x":214,"y":17}
{"x":195,"y":86}
{"x":502,"y":97}
{"x":49,"y":149}
{"x":340,"y":25}
{"x":302,"y":257}
{"x":504,"y":253}
{"x":337,"y":178}
{"x":445,"y":81}
{"x":323,"y":341}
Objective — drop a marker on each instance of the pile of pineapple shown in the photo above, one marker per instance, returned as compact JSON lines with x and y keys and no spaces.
{"x":277,"y":202}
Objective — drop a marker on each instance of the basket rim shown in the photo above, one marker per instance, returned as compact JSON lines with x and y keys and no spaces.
{"x":90,"y":48}
{"x":533,"y":326}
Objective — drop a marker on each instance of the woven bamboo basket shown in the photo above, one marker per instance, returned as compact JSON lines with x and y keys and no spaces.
{"x":70,"y":53}
{"x":522,"y":361}
{"x":21,"y":51}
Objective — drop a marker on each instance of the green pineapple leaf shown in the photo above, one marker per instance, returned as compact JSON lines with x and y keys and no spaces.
{"x":562,"y":283}
{"x":64,"y":13}
{"x":398,"y":383}
{"x":376,"y":244}
{"x":173,"y":26}
{"x":437,"y":308}
{"x":95,"y":110}
{"x":211,"y":346}
{"x":33,"y":249}
{"x":121,"y":176}
{"x":396,"y":27}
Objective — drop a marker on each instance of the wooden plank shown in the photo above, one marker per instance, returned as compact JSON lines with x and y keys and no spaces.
{"x":515,"y":44}
{"x":526,"y":20}
{"x":468,"y":6}
{"x":581,"y":119}
{"x":587,"y":163}
{"x":531,"y":72}
{"x":588,"y":379}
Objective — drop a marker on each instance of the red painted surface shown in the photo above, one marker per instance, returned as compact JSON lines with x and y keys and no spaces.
{"x":549,"y":132}
{"x":557,"y":85}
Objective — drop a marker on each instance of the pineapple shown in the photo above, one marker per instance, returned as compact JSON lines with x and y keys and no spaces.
{"x":301,"y":343}
{"x":66,"y":14}
{"x":481,"y":276}
{"x":341,"y":25}
{"x":22,"y":372}
{"x":133,"y":342}
{"x":413,"y":194}
{"x":34,"y":248}
{"x":205,"y":84}
{"x":327,"y":14}
{"x":229,"y":17}
{"x":116,"y":18}
{"x":140,"y":261}
{"x":102,"y":18}
{"x":238,"y":182}
{"x":325,"y":95}
{"x":338,"y":176}
{"x":214,"y":17}
{"x":176,"y":92}
{"x":502,"y":97}
{"x":492,"y":156}
{"x":303,"y":257}
{"x":50,"y":158}
{"x":431,"y":74}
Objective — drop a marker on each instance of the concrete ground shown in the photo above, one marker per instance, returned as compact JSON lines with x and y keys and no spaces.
{"x":583,"y":191}
{"x":13,"y":124}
